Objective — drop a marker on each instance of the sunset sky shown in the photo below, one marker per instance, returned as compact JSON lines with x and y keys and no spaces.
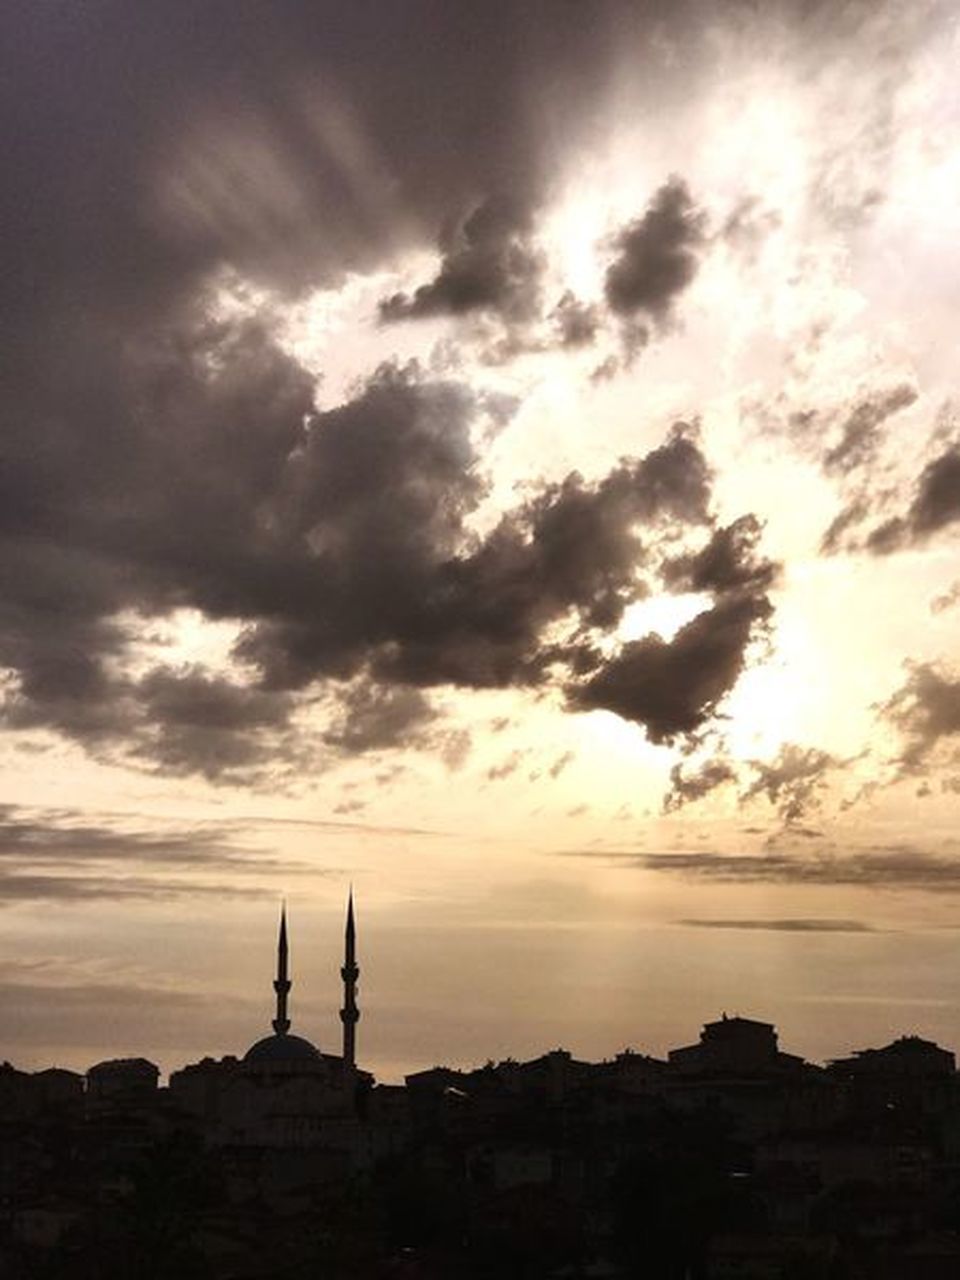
{"x":505,"y":456}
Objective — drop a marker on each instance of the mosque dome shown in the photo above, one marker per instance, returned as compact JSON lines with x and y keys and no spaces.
{"x":282,"y":1048}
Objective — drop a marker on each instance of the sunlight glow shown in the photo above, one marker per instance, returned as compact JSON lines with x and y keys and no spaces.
{"x":184,"y":637}
{"x":663,"y":615}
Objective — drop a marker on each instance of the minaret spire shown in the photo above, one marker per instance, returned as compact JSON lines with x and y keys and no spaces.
{"x":281,"y":984}
{"x":350,"y":1014}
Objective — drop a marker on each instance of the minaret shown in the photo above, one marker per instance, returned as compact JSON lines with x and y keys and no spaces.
{"x":281,"y":985}
{"x":350,"y":1014}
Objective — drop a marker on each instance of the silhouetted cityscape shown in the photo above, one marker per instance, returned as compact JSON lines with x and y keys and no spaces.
{"x":728,"y":1158}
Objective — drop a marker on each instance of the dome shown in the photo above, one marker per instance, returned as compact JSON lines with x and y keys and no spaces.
{"x":282,"y":1048}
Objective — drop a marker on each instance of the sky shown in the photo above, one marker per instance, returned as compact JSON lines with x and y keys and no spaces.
{"x":505,"y":458}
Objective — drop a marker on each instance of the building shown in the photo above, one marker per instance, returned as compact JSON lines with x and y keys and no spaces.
{"x":129,"y":1080}
{"x":284,"y":1092}
{"x":735,"y":1046}
{"x":906,"y":1058}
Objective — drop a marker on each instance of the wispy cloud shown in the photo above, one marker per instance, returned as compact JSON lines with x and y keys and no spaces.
{"x":86,"y":888}
{"x":889,"y":869}
{"x":785,"y":926}
{"x":67,"y":856}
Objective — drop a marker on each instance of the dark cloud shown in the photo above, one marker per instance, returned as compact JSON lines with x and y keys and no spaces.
{"x":144,"y":493}
{"x":370,"y":717}
{"x":489,"y":264}
{"x":729,"y":562}
{"x":297,"y":141}
{"x":154,"y":458}
{"x":846,"y":439}
{"x":376,"y":513}
{"x":293,"y":142}
{"x":197,"y":723}
{"x":861,"y":429}
{"x":926,"y":711}
{"x":157,"y":458}
{"x":785,"y":926}
{"x":577,"y":323}
{"x":896,"y":869}
{"x":839,"y":535}
{"x":793,"y":780}
{"x":934,"y":506}
{"x":673,"y":687}
{"x":658,"y":255}
{"x":686,"y":787}
{"x":936,"y":502}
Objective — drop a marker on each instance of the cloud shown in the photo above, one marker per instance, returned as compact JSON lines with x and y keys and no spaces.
{"x":838,"y":535}
{"x":563,"y":761}
{"x":686,"y":788}
{"x":18,"y":887}
{"x":933,"y":508}
{"x":489,"y":264}
{"x":249,"y":137}
{"x":400,"y":588}
{"x":576,"y":323}
{"x":382,"y":777}
{"x":160,"y":457}
{"x":935,"y":505}
{"x":748,"y":225}
{"x":371,"y":717}
{"x":673,"y":687}
{"x":926,"y":711}
{"x":157,"y":458}
{"x":785,"y":926}
{"x":936,"y":502}
{"x":947,"y":599}
{"x":197,"y":723}
{"x":61,"y":855}
{"x":728,"y":562}
{"x":792,"y":781}
{"x":35,"y":837}
{"x":510,"y":764}
{"x":860,"y":429}
{"x":895,"y":869}
{"x":847,"y":439}
{"x":657,"y":255}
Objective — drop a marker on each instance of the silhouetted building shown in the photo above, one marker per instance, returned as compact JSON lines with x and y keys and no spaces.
{"x":734,"y":1046}
{"x":908,"y":1057}
{"x":729,"y":1159}
{"x":129,"y":1080}
{"x":283,"y":1092}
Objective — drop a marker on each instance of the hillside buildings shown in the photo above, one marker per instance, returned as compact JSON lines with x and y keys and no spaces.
{"x":729,"y":1158}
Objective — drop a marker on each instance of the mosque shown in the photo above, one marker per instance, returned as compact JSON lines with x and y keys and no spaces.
{"x":284,"y":1091}
{"x":283,"y":1051}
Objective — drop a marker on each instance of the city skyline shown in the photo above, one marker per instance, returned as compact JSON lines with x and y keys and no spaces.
{"x":505,"y":460}
{"x":349,"y":1016}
